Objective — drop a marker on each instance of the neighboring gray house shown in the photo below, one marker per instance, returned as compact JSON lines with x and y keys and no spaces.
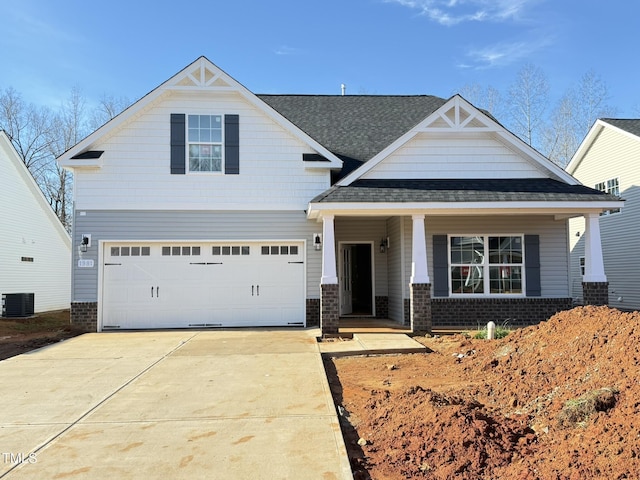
{"x":205,"y":205}
{"x":35,"y":249}
{"x":609,"y":160}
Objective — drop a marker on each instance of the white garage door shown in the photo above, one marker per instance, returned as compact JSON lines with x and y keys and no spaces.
{"x":194,"y":285}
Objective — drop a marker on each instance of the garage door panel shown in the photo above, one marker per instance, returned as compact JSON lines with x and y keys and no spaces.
{"x":205,"y":284}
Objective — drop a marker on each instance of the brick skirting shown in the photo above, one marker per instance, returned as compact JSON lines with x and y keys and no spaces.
{"x":473,"y":313}
{"x":382,"y":307}
{"x":329,"y":308}
{"x":313,"y":312}
{"x":595,"y":293}
{"x":421,"y":320}
{"x":85,"y":315}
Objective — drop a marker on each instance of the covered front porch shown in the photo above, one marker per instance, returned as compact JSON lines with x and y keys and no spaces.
{"x":378,"y":271}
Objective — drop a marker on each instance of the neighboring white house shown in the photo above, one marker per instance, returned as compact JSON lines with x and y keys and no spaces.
{"x":35,"y":249}
{"x":206,"y":205}
{"x":609,"y":160}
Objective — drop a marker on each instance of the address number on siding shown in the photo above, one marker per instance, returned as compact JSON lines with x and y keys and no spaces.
{"x":85,"y":263}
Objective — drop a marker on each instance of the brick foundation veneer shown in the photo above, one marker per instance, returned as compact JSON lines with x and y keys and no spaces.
{"x":595,"y":293}
{"x":473,"y":313}
{"x":420,"y":307}
{"x":382,"y":307}
{"x":313,"y":312}
{"x":85,"y":315}
{"x":329,"y":309}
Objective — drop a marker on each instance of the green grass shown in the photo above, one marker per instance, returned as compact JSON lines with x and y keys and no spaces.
{"x":501,"y":332}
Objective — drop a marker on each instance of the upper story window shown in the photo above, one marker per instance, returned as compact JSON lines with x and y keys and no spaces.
{"x":486,"y":264}
{"x":205,"y":143}
{"x":611,"y":186}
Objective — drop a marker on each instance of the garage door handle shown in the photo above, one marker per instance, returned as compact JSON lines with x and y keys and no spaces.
{"x":151,"y":292}
{"x":258,"y":289}
{"x":157,"y":292}
{"x":252,"y":290}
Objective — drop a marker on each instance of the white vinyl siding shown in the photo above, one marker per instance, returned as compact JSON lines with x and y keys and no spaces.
{"x":136,"y":164}
{"x":31,"y":230}
{"x":190,"y":226}
{"x":463,"y":155}
{"x":395,"y":257}
{"x":613,"y":155}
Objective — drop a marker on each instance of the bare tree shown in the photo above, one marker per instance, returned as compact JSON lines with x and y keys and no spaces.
{"x":573,"y":117}
{"x":487,"y":98}
{"x":528,"y":100}
{"x":108,"y":107}
{"x":30,"y":129}
{"x":69,"y":130}
{"x":593,"y":94}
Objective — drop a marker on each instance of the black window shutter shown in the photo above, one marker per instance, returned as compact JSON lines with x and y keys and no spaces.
{"x":232,"y":144}
{"x":532,"y":265}
{"x":440,"y":266}
{"x":178,"y":143}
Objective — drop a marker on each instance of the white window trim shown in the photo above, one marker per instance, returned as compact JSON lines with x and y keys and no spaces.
{"x":187,"y":142}
{"x":605,"y":184}
{"x":487,"y":290}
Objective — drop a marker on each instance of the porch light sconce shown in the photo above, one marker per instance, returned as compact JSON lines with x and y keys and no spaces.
{"x":85,"y":243}
{"x":384,"y":245}
{"x":317,"y":241}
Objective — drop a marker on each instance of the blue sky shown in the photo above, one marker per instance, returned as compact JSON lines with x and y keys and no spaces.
{"x":312,"y":46}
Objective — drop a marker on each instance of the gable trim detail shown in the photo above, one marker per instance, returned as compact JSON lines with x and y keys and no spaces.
{"x":458,"y":115}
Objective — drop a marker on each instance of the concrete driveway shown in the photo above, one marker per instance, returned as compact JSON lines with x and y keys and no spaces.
{"x":241,"y":404}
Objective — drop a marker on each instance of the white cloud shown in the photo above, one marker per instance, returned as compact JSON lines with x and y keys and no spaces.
{"x":501,"y":54}
{"x":285,"y":50}
{"x":454,"y":12}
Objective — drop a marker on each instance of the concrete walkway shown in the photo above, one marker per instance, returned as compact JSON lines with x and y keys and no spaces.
{"x":242,"y":404}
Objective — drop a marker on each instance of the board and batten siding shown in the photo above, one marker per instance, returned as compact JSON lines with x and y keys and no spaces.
{"x":189,"y":226}
{"x":613,"y":155}
{"x":554,"y":255}
{"x":135,"y":174}
{"x":466,"y":155}
{"x":30,"y":229}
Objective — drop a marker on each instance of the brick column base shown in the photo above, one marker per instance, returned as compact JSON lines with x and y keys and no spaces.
{"x":85,"y":315}
{"x":329,"y":309}
{"x":420,"y":307}
{"x":595,"y":293}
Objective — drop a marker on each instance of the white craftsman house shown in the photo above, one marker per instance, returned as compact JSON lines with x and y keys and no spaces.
{"x":206,"y":205}
{"x":35,"y":249}
{"x":608,"y":160}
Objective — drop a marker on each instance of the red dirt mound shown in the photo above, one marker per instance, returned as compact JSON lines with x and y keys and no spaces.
{"x":559,"y":400}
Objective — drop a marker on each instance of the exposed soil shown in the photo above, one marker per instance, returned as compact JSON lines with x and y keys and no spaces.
{"x":560,"y":400}
{"x":20,"y":335}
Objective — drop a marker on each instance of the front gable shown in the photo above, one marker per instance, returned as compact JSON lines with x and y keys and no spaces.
{"x":458,"y":141}
{"x":248,"y":161}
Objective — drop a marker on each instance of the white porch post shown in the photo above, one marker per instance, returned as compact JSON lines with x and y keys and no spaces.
{"x":419,"y":270}
{"x":329,"y":292}
{"x":594,"y":263}
{"x":420,"y":287}
{"x":329,"y":275}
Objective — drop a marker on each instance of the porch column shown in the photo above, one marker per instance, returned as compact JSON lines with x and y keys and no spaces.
{"x":595,"y":288}
{"x":329,"y":308}
{"x":420,"y":283}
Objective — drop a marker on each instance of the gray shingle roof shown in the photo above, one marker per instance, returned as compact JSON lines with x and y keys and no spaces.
{"x":460,"y":190}
{"x":354,"y":127}
{"x":631,"y":125}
